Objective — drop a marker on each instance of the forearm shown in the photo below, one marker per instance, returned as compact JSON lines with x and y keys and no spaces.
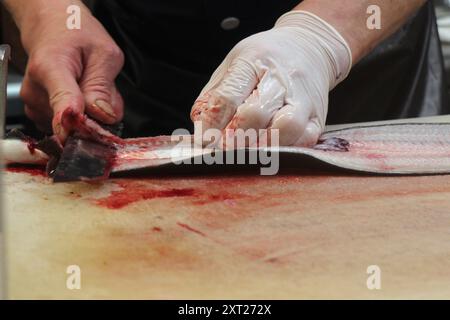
{"x":349,"y":17}
{"x":24,"y":11}
{"x":17,"y":8}
{"x":33,"y":15}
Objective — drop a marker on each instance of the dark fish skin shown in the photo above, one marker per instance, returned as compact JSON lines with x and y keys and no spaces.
{"x":332,"y":144}
{"x":83,"y":160}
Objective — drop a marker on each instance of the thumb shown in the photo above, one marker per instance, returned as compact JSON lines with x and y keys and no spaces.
{"x":229,"y":87}
{"x":103,"y":100}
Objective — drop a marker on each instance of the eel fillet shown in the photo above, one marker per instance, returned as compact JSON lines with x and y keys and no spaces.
{"x":422,"y":148}
{"x":416,"y":148}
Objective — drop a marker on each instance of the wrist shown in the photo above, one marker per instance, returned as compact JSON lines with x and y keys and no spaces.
{"x":330,"y":43}
{"x":33,"y":16}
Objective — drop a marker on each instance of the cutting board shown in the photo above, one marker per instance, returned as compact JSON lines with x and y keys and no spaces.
{"x":296,"y":235}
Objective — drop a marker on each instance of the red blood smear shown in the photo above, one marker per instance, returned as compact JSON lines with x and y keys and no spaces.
{"x":189,"y":228}
{"x":375,"y":156}
{"x":139,"y":192}
{"x":31,"y":146}
{"x":157,"y":229}
{"x":224,"y":196}
{"x":31,"y":171}
{"x":85,"y":127}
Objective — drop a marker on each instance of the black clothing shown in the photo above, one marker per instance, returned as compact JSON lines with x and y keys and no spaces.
{"x":173,"y":46}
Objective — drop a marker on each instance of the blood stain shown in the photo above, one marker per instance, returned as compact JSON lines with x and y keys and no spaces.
{"x":38,"y":172}
{"x":224,"y":196}
{"x":189,"y":228}
{"x":134,"y":192}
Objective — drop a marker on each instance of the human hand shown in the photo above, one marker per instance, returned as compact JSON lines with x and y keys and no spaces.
{"x":69,"y":69}
{"x":278,"y":79}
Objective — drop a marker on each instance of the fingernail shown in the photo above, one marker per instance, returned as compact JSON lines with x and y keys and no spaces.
{"x":105,"y":107}
{"x":60,"y":132}
{"x":57,"y":129}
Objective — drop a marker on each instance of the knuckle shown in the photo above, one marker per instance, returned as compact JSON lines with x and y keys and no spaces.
{"x":290,"y":122}
{"x":48,"y":60}
{"x":248,"y":43}
{"x":25,"y":94}
{"x":39,"y":60}
{"x":100,"y":84}
{"x":34,"y":68}
{"x":59,"y":96}
{"x":112,"y":51}
{"x":257,"y":115}
{"x":30,"y":113}
{"x":31,"y":96}
{"x":97,"y":81}
{"x":252,"y":46}
{"x":228,"y":95}
{"x":222,"y":100}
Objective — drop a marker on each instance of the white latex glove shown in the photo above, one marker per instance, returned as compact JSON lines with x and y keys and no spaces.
{"x":278,"y":79}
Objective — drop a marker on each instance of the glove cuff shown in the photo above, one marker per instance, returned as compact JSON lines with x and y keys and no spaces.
{"x":330,"y":40}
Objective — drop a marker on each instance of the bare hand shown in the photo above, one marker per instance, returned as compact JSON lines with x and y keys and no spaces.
{"x":70,"y":69}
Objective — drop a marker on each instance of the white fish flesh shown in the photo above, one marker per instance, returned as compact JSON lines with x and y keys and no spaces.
{"x":419,"y":148}
{"x":422,"y":148}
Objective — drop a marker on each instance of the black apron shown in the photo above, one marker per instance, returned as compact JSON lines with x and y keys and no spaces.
{"x":173,"y":46}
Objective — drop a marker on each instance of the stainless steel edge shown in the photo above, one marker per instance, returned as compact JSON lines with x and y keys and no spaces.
{"x":5,"y":52}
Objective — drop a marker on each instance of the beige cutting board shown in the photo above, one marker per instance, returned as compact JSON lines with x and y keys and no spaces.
{"x":299,"y":235}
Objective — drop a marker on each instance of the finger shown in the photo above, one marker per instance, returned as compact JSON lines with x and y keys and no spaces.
{"x":104,"y":111}
{"x":311,"y":134}
{"x":37,"y":107}
{"x":62,"y":99}
{"x":33,"y":94}
{"x":217,"y":105}
{"x":255,"y":113}
{"x":290,"y":121}
{"x":103,"y":101}
{"x":60,"y":83}
{"x":258,"y":109}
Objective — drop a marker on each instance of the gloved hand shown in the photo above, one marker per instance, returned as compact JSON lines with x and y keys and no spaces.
{"x":278,"y":79}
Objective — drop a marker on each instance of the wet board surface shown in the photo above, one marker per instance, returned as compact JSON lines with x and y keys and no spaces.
{"x":296,"y":235}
